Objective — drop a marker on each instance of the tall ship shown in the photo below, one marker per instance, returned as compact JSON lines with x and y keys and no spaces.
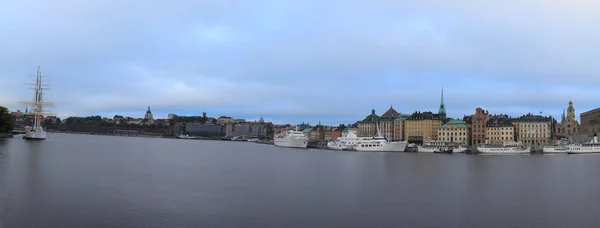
{"x":35,"y":131}
{"x":508,"y":147}
{"x":592,"y":147}
{"x":291,"y":138}
{"x":346,"y":143}
{"x":379,"y":143}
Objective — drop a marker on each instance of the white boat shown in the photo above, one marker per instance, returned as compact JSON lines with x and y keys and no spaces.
{"x":555,"y":149}
{"x":346,"y":143}
{"x":504,"y":148}
{"x":591,"y":147}
{"x":182,"y":136}
{"x":36,"y":131}
{"x":291,"y":139}
{"x":378,"y":143}
{"x":253,"y":140}
{"x":431,"y":146}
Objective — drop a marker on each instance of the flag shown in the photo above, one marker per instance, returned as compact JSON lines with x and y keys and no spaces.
{"x":540,"y":112}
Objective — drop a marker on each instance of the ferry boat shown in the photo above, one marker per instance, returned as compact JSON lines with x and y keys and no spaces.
{"x":438,"y":147}
{"x":346,"y":143}
{"x":508,"y":147}
{"x":561,"y":147}
{"x":379,"y":143}
{"x":432,"y":146}
{"x":36,"y":131}
{"x":591,"y":147}
{"x":292,"y":138}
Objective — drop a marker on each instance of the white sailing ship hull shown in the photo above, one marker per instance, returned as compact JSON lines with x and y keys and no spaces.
{"x":35,"y":133}
{"x":291,"y":142}
{"x":504,"y":150}
{"x":385,"y":147}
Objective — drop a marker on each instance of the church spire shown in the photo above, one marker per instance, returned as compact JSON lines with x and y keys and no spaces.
{"x":442,"y":110}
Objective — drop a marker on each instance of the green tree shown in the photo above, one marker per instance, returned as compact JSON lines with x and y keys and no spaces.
{"x":6,"y":120}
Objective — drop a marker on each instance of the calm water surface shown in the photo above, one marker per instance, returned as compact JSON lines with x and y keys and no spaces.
{"x":103,"y":181}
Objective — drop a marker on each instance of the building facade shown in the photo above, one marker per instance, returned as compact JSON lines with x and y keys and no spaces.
{"x":205,"y":130}
{"x":455,"y":131}
{"x":568,"y":125}
{"x":422,"y":126}
{"x":399,"y":131}
{"x":478,"y":126}
{"x":499,"y":129}
{"x":367,"y":127}
{"x":590,"y":121}
{"x":388,"y":124}
{"x":534,"y":130}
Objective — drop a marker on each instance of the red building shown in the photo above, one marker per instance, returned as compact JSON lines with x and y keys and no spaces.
{"x":336,"y":133}
{"x":478,"y":126}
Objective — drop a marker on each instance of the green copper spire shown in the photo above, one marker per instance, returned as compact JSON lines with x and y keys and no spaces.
{"x":373,"y":111}
{"x":442,"y":111}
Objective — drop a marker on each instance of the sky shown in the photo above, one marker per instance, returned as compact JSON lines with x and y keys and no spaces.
{"x":302,"y":61}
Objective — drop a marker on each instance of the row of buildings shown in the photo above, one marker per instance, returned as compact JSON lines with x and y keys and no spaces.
{"x":478,"y":128}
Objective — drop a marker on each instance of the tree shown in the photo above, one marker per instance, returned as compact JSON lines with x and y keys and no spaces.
{"x":6,"y":120}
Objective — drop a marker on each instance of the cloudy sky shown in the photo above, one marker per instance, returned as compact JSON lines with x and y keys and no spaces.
{"x":310,"y":60}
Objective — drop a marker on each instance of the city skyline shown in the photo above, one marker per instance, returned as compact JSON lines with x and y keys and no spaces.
{"x":302,"y":61}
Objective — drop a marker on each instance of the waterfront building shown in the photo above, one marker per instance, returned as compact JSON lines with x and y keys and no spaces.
{"x":148,"y":118}
{"x":590,"y":121}
{"x":205,"y":130}
{"x":422,"y":126}
{"x":399,"y":127}
{"x":568,"y":125}
{"x":454,"y":131}
{"x":367,"y":127}
{"x":499,"y":129}
{"x":390,"y":124}
{"x":534,"y":130}
{"x":478,"y":126}
{"x":336,"y":133}
{"x":386,"y":123}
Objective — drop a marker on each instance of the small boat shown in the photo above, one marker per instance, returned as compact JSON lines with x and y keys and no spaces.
{"x":186,"y":137}
{"x":444,"y":151}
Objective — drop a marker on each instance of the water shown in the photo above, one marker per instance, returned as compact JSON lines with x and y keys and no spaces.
{"x":102,"y":181}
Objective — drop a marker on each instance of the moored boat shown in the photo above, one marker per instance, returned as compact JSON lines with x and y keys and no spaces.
{"x":592,"y":147}
{"x":36,"y":131}
{"x":292,"y":138}
{"x":508,"y":147}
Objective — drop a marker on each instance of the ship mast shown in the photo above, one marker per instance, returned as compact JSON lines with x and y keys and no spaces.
{"x":38,"y":103}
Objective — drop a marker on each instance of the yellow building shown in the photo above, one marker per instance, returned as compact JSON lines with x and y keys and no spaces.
{"x":534,"y":130}
{"x":422,"y":126}
{"x":499,"y":130}
{"x":455,"y":131}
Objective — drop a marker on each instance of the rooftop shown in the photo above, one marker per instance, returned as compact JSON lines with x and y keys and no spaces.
{"x":455,"y":123}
